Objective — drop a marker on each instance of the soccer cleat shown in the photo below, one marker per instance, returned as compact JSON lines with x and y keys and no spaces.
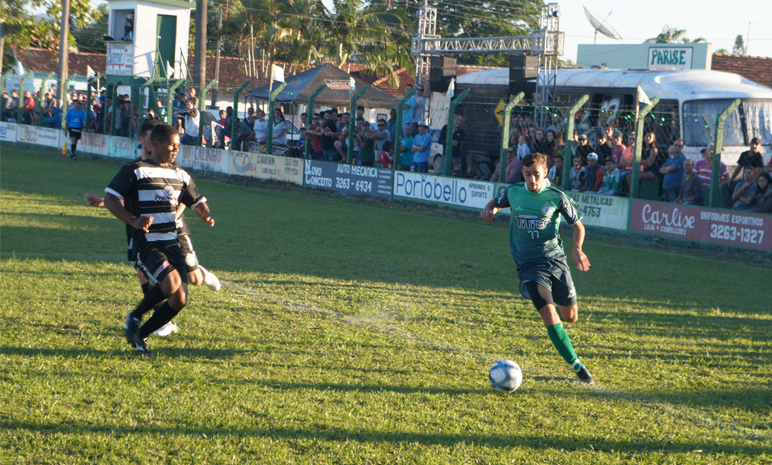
{"x":210,"y":279}
{"x":143,"y":348}
{"x":584,"y":376}
{"x":131,"y":330}
{"x":166,"y":330}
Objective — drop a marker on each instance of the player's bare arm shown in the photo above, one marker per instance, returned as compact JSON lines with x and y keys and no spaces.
{"x":489,"y":211}
{"x":581,"y":260}
{"x":202,"y":211}
{"x":94,"y":200}
{"x":115,"y":205}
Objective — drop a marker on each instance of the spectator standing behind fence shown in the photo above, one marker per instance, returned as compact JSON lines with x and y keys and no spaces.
{"x":522,"y":147}
{"x":191,"y":119}
{"x":386,"y":157}
{"x":539,"y":142}
{"x":11,"y":110}
{"x":329,"y":136}
{"x":459,"y":158}
{"x":595,"y":174}
{"x":673,"y":169}
{"x":555,"y":173}
{"x":315,"y":133}
{"x":366,"y":140}
{"x":279,"y":128}
{"x":407,"y":110}
{"x":341,"y":145}
{"x":552,"y":143}
{"x":745,"y":193}
{"x":225,"y":130}
{"x":704,"y":169}
{"x":762,"y":202}
{"x":752,"y":158}
{"x":406,"y":151}
{"x":244,"y":131}
{"x":422,"y":146}
{"x":261,"y":127}
{"x":612,"y":181}
{"x":578,"y":174}
{"x":691,"y":192}
{"x":417,"y":102}
{"x":380,"y":136}
{"x":649,"y":157}
{"x":29,"y":115}
{"x":55,"y":121}
{"x":583,"y":149}
{"x":602,"y":148}
{"x":391,"y":125}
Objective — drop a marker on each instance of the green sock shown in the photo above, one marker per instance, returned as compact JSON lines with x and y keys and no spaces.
{"x":562,"y":343}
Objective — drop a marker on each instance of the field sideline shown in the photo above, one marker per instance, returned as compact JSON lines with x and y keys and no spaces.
{"x":348,"y":332}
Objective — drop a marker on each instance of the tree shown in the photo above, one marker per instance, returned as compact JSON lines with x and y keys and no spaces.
{"x":671,"y":35}
{"x":739,"y":46}
{"x":721,"y":50}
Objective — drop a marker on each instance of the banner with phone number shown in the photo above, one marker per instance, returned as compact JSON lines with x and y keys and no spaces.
{"x":724,"y":227}
{"x":605,"y":211}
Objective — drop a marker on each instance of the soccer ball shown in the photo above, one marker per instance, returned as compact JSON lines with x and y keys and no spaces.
{"x":505,"y":376}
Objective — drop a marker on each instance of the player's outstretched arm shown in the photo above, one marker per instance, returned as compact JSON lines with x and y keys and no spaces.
{"x":489,"y":211}
{"x":581,"y":260}
{"x":94,"y":200}
{"x":116,"y":207}
{"x":202,"y":211}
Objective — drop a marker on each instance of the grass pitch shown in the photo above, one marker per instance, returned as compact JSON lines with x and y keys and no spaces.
{"x":356,"y":333}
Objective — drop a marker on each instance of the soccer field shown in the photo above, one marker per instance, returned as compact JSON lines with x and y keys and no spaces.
{"x":357,"y":332}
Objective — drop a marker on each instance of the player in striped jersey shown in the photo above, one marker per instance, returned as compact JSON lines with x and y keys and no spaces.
{"x":535,"y":243}
{"x":145,"y":194}
{"x":197,"y":274}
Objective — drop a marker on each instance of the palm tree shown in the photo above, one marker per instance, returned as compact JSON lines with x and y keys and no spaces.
{"x":671,"y":35}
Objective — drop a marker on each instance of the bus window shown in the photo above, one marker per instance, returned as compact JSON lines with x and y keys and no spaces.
{"x":700,"y":123}
{"x":758,"y":120}
{"x":663,"y":120}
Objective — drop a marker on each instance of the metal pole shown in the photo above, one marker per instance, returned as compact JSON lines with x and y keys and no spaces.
{"x":170,"y":101}
{"x":201,"y":108}
{"x":398,"y":135}
{"x":310,"y":115}
{"x":42,"y":99}
{"x":115,"y":105}
{"x":199,"y":68}
{"x":352,"y":124}
{"x":271,"y":104}
{"x":567,"y":152}
{"x":449,"y":136}
{"x":235,"y":121}
{"x":21,"y":96}
{"x":636,"y":173}
{"x":716,"y":200}
{"x":217,"y":57}
{"x":505,"y":134}
{"x":63,"y":36}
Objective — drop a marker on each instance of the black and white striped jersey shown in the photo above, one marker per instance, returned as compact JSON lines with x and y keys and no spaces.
{"x":149,"y":189}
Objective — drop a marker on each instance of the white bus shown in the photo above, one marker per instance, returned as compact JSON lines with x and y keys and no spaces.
{"x":689,"y":103}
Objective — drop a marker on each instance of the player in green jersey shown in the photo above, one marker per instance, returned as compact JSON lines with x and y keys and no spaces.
{"x":537,"y":207}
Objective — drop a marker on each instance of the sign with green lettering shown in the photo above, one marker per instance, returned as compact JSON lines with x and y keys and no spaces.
{"x":670,"y":58}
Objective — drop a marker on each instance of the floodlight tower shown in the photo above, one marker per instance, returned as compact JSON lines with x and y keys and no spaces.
{"x":427,"y":29}
{"x":548,"y":45}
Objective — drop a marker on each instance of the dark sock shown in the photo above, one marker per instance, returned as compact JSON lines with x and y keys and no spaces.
{"x":153,"y":296}
{"x":162,"y":315}
{"x":145,"y":288}
{"x":74,"y":146}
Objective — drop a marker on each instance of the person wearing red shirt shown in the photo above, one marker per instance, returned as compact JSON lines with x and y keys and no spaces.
{"x":316,"y":137}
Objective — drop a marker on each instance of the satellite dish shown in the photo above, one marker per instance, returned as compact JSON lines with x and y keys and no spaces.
{"x":600,"y":24}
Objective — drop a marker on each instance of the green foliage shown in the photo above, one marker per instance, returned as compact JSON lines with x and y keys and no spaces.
{"x":89,"y":38}
{"x":357,"y":332}
{"x":739,"y":46}
{"x":671,"y":35}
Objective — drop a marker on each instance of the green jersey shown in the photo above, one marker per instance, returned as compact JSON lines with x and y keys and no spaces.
{"x":534,"y":228}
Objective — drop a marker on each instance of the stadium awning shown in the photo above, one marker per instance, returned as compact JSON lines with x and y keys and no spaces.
{"x":337,"y":93}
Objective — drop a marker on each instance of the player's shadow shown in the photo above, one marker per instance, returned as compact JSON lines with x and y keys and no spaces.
{"x":210,"y":354}
{"x":526,"y":439}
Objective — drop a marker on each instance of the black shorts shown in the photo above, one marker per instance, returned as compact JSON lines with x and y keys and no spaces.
{"x":191,"y":261}
{"x":157,"y":260}
{"x":74,"y":133}
{"x":552,"y":274}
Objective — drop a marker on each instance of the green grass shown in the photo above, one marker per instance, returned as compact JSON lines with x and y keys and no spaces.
{"x":355,"y":332}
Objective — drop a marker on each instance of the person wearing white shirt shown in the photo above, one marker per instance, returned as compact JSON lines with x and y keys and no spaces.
{"x":191,"y":118}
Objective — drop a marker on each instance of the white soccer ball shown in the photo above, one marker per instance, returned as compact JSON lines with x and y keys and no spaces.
{"x":505,"y":376}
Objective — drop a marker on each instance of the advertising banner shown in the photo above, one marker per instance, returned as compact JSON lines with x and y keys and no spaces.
{"x":348,"y":179}
{"x":120,"y":59}
{"x":454,"y":191}
{"x":267,"y":167}
{"x":93,"y":143}
{"x":602,"y":210}
{"x":8,"y":132}
{"x":724,"y":227}
{"x":40,"y":136}
{"x":121,"y":147}
{"x":210,"y":159}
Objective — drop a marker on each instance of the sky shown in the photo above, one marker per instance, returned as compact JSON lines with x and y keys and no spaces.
{"x":718,"y":22}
